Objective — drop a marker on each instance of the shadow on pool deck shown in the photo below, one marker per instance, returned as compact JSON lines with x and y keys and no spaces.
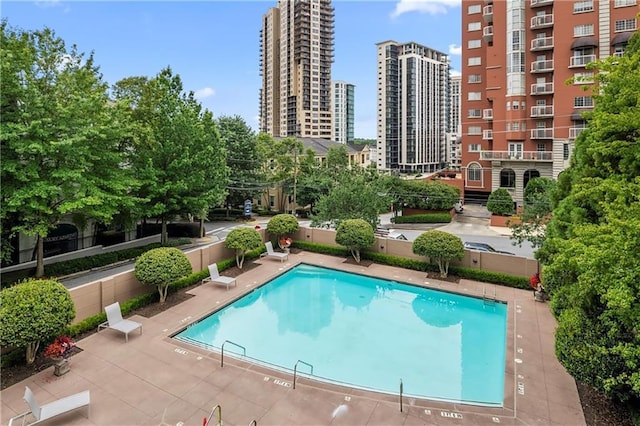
{"x":155,"y":380}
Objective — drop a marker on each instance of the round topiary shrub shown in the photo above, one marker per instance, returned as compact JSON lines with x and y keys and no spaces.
{"x":33,"y":311}
{"x":242,"y":240}
{"x":355,"y":234}
{"x":439,"y":246}
{"x":161,"y":267}
{"x":500,"y":202}
{"x":282,"y":224}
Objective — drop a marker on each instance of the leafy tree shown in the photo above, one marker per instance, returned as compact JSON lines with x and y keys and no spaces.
{"x":535,"y":213}
{"x":242,"y":240}
{"x":282,"y":224}
{"x":285,"y":157}
{"x":180,"y":159}
{"x":423,"y":194}
{"x":313,"y":185}
{"x":439,"y":246}
{"x":245,"y":160}
{"x":161,"y":267}
{"x":33,"y":311}
{"x":61,"y":139}
{"x":337,"y":159}
{"x":355,"y":234}
{"x":500,"y":202}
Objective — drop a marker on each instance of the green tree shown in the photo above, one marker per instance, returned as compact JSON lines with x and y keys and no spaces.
{"x":242,"y":240}
{"x":245,"y":160}
{"x":181,"y":161}
{"x":161,"y":267}
{"x":439,"y":246}
{"x":312,"y":185}
{"x":500,"y":202}
{"x":61,"y":139}
{"x":34,"y":311}
{"x":535,"y":213}
{"x":356,"y":235}
{"x":423,"y":194}
{"x":282,"y":224}
{"x":337,"y":159}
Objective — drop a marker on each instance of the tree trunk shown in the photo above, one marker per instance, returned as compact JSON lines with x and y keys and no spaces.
{"x":356,"y":255}
{"x":163,"y":233}
{"x":32,"y":349}
{"x":162,"y":290}
{"x":202,"y":233}
{"x":39,"y":257}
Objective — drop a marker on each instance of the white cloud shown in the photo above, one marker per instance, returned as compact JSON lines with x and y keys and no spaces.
{"x":205,"y":92}
{"x":432,"y":7}
{"x":455,"y":73}
{"x":454,"y":49}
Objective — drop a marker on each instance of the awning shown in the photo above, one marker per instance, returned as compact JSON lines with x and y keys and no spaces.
{"x":577,"y":116}
{"x":621,"y":38}
{"x":581,"y":42}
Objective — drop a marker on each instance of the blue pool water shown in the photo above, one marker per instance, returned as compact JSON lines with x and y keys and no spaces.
{"x":369,"y":333}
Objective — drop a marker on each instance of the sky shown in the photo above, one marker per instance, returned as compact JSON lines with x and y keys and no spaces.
{"x":215,"y":45}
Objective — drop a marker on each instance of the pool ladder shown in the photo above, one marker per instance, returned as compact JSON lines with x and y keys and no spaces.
{"x":488,"y":300}
{"x":207,"y":420}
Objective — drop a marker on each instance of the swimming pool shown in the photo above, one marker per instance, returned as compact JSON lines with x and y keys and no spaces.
{"x":369,"y":333}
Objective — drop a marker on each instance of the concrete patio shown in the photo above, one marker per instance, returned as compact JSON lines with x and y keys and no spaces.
{"x":155,"y":380}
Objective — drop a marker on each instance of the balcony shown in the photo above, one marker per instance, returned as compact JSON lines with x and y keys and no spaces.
{"x":542,"y":111}
{"x":487,"y":135}
{"x":487,"y":14}
{"x":517,"y":156}
{"x":542,"y":66}
{"x":542,"y":134}
{"x":544,"y":43}
{"x":541,"y":89}
{"x":574,"y":132}
{"x":540,"y":3}
{"x":487,"y":33}
{"x":581,"y":61}
{"x":487,"y":114}
{"x":542,"y":21}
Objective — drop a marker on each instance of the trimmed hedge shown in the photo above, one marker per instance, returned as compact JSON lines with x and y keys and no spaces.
{"x":423,"y":218}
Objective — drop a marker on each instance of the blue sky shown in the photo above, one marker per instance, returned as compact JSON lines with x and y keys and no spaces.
{"x":214,"y":45}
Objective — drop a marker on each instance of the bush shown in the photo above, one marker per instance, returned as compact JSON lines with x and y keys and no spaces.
{"x":242,"y":240}
{"x":423,"y":218}
{"x":356,"y":235}
{"x":282,"y":224}
{"x":500,"y":202}
{"x":33,"y":311}
{"x":441,"y":246}
{"x":161,"y":267}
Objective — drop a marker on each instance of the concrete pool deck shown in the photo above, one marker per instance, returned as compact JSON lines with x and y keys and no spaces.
{"x":155,"y":380}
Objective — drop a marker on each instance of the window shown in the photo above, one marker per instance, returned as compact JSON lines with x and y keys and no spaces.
{"x":583,"y":6}
{"x":623,"y":3}
{"x":583,"y":30}
{"x":475,"y":130}
{"x":626,"y":25}
{"x":474,"y":78}
{"x":474,"y":147}
{"x":516,"y":126}
{"x":583,"y":77}
{"x":474,"y":44}
{"x":474,"y":96}
{"x":473,"y":9}
{"x":474,"y":26}
{"x":541,"y":147}
{"x":583,"y":102}
{"x":509,"y":106}
{"x":474,"y":113}
{"x":507,"y":178}
{"x":474,"y":172}
{"x":476,"y":60}
{"x":565,"y":151}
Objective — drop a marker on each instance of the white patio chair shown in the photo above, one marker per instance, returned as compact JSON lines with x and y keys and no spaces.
{"x":216,"y":278}
{"x":52,"y":409}
{"x":116,"y":322}
{"x":274,"y":254}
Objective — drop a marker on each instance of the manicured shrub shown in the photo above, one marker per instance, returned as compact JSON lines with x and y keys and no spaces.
{"x":34,"y":311}
{"x":500,"y":202}
{"x":356,"y":235}
{"x":282,"y":224}
{"x":439,"y":246}
{"x":242,"y":240}
{"x":423,"y":218}
{"x":161,"y":267}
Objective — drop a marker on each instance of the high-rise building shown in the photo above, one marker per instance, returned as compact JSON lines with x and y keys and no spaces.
{"x":296,"y":53}
{"x":520,"y":118}
{"x":343,"y":98}
{"x":454,"y":137}
{"x":413,"y":107}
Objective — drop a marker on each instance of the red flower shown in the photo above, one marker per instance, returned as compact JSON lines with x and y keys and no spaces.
{"x":60,"y":348}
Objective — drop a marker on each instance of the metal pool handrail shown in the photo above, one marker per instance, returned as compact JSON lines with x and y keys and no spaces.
{"x":295,"y":370}
{"x":219,"y":408}
{"x":244,"y":351}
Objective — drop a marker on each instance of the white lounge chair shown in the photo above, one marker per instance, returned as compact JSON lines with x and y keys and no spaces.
{"x":274,"y":254}
{"x":52,"y":409}
{"x":215,"y":277}
{"x":116,"y":322}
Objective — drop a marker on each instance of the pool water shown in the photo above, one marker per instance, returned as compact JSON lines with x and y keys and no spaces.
{"x":367,"y":332}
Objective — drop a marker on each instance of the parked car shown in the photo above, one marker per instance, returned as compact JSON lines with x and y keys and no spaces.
{"x":472,"y":245}
{"x":396,"y":236}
